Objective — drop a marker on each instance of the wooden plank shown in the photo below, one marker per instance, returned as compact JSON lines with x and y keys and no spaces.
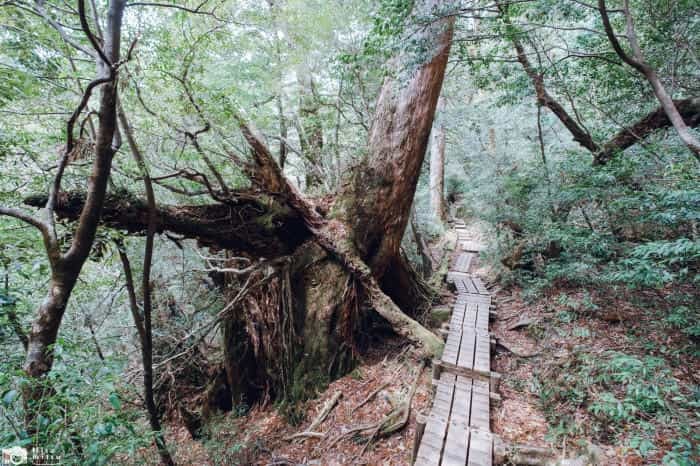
{"x":480,"y":448}
{"x":466,"y":372}
{"x":462,"y":262}
{"x":470,"y":286}
{"x":451,"y":350}
{"x":471,"y":246}
{"x":480,"y":417}
{"x":482,"y":353}
{"x":429,"y":451}
{"x":468,"y":261}
{"x":470,"y":315}
{"x":480,"y":286}
{"x":432,"y":442}
{"x":482,"y":317}
{"x":457,"y":440}
{"x":466,"y":349}
{"x":474,"y":298}
{"x":453,"y":275}
{"x":456,"y":444}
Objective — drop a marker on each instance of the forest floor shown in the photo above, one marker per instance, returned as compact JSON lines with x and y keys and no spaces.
{"x":592,"y":372}
{"x":553,"y":354}
{"x":260,"y":437}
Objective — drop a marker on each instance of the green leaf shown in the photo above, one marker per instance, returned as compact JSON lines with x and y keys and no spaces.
{"x":9,"y":397}
{"x":114,"y":401}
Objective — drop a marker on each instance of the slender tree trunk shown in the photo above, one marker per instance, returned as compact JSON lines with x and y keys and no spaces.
{"x":279,"y":98}
{"x":283,"y":131}
{"x":146,"y":326}
{"x":310,"y":129}
{"x":421,"y":247}
{"x":12,"y":315}
{"x":437,"y":166}
{"x":65,"y":268}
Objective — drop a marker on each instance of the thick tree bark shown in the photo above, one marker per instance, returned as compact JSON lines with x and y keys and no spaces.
{"x":376,"y":202}
{"x":437,"y":167}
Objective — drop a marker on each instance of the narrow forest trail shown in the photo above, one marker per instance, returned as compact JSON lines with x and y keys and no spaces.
{"x":457,"y":428}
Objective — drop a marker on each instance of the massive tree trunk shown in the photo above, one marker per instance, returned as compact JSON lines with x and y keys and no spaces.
{"x":437,"y":167}
{"x":376,"y":202}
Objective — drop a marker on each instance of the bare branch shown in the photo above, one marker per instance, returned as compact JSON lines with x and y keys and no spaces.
{"x":41,"y":11}
{"x":25,"y":217}
{"x":86,"y":28}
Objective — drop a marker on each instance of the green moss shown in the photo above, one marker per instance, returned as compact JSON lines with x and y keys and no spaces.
{"x":439,"y":315}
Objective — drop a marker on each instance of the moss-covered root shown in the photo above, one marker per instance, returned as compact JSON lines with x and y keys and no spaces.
{"x":430,"y":344}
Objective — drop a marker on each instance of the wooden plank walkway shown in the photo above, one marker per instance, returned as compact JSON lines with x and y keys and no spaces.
{"x":457,"y":429}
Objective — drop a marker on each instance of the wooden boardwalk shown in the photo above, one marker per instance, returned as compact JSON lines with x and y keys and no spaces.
{"x":457,"y":431}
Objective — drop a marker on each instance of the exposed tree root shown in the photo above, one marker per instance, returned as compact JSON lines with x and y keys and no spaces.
{"x":398,"y":417}
{"x":370,"y":397}
{"x":327,"y":408}
{"x":505,"y":453}
{"x":394,"y":421}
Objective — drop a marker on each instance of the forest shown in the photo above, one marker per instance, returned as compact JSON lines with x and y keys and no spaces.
{"x":235,"y":232}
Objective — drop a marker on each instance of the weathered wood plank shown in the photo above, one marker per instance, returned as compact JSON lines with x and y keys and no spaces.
{"x":471,"y":246}
{"x":473,"y":298}
{"x":470,"y":315}
{"x":480,"y":448}
{"x":480,"y":286}
{"x":480,"y":417}
{"x":482,"y":353}
{"x":456,"y":445}
{"x":482,"y":317}
{"x":466,"y":349}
